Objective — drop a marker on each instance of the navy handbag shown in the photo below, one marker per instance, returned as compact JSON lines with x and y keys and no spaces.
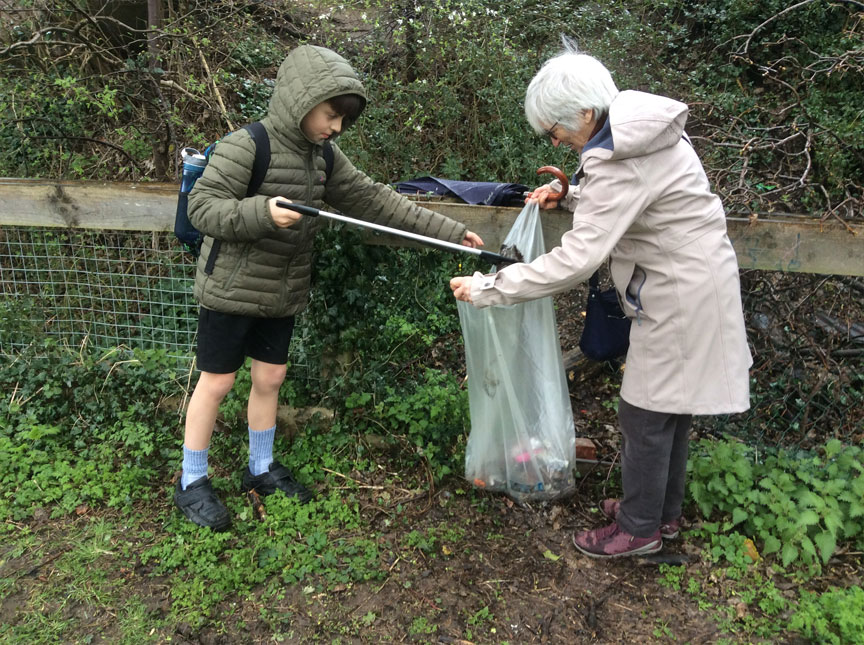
{"x":606,"y":334}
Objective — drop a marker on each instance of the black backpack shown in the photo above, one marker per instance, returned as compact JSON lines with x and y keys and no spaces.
{"x":192,"y":238}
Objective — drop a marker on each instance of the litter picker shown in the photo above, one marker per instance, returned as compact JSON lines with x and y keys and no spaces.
{"x":507,"y":255}
{"x":493,"y":258}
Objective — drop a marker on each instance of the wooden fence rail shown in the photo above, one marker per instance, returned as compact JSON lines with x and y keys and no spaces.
{"x":774,"y":243}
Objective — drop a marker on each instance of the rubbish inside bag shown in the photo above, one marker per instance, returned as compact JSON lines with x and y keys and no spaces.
{"x":510,"y":251}
{"x":522,"y":439}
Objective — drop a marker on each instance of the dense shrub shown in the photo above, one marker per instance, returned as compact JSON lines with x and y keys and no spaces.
{"x":773,"y":88}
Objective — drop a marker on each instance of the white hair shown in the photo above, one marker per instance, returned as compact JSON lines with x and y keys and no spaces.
{"x":565,"y":86}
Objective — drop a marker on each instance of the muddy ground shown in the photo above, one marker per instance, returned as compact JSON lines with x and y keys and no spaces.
{"x":513,"y":575}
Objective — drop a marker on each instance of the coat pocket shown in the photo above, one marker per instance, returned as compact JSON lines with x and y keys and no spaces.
{"x":629,"y":280}
{"x":622,"y":274}
{"x":239,"y":264}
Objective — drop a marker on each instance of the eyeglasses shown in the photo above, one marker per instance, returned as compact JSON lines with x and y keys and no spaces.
{"x":551,"y":131}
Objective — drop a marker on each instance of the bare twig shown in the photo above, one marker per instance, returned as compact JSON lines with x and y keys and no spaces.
{"x":214,"y":88}
{"x":772,"y":19}
{"x":171,"y":85}
{"x":37,"y":38}
{"x":90,"y":140}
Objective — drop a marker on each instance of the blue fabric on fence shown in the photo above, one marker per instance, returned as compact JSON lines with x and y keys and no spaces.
{"x":472,"y":192}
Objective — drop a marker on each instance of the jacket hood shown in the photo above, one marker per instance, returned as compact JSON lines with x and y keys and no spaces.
{"x":308,"y":76}
{"x":639,"y":124}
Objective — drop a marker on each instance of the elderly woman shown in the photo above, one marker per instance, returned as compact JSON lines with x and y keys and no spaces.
{"x":643,"y":201}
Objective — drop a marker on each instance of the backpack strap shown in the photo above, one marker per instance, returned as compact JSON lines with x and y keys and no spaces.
{"x":259,"y":169}
{"x":262,"y":155}
{"x":328,"y":159}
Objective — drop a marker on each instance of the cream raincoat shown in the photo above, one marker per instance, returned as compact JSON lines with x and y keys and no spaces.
{"x":644,"y":202}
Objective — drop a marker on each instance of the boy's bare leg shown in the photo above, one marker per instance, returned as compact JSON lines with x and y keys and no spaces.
{"x":194,"y":495}
{"x":267,"y":378}
{"x":204,"y":407}
{"x":266,"y":475}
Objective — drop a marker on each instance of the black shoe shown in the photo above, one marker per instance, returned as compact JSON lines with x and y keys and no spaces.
{"x":200,"y":505}
{"x":276,"y":478}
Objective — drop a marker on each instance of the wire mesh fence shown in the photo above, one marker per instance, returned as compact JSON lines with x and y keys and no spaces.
{"x":110,"y":289}
{"x":105,"y":289}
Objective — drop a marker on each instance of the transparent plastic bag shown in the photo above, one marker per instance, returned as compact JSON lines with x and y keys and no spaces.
{"x":522,"y":439}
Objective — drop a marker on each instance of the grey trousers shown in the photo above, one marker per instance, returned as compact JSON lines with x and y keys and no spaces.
{"x":653,"y":467}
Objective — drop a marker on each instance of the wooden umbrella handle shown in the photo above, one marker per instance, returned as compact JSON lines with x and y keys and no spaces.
{"x":560,"y":176}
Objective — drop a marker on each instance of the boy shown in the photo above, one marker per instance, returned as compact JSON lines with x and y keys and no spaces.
{"x":253,"y":274}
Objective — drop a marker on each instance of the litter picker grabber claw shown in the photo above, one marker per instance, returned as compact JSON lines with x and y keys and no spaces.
{"x":493,"y":258}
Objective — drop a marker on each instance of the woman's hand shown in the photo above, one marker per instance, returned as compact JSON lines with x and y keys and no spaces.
{"x":461,"y":287}
{"x":283,"y":217}
{"x":472,"y":239}
{"x":541,"y":196}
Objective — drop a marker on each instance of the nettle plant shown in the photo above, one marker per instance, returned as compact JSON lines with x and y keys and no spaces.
{"x":799,"y":505}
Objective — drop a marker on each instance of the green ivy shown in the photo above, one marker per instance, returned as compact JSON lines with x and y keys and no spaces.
{"x":83,"y":428}
{"x":427,"y":419}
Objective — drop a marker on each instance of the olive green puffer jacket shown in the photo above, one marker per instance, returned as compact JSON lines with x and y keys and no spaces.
{"x":260,"y":269}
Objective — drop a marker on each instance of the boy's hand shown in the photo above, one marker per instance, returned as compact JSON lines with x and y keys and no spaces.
{"x":472,"y":239}
{"x":461,"y":287}
{"x":283,"y":217}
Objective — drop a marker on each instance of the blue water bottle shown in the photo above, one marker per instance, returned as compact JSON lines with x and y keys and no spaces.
{"x":193,"y":166}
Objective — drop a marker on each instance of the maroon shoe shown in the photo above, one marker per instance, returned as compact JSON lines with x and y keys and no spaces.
{"x":614,"y":542}
{"x":668,"y":530}
{"x":610,"y":508}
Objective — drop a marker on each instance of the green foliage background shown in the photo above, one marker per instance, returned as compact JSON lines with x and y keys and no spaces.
{"x":774,"y":89}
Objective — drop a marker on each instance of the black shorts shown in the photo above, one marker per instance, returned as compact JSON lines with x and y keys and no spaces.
{"x":225,"y":340}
